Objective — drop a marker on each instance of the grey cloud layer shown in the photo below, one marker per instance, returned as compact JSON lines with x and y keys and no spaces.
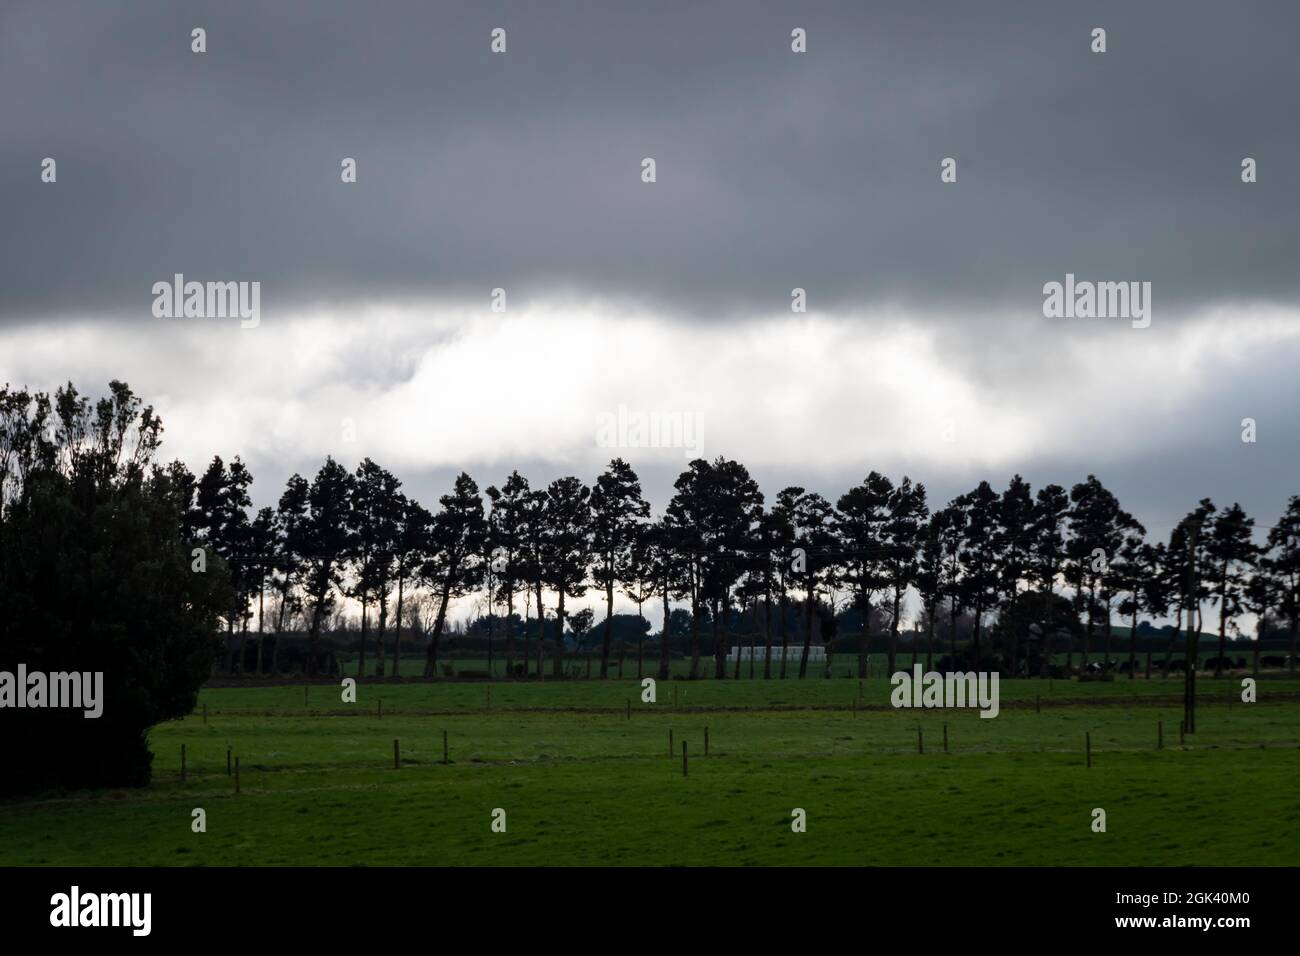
{"x":522,"y":170}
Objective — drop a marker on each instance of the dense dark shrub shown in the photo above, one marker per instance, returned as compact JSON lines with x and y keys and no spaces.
{"x":97,"y":575}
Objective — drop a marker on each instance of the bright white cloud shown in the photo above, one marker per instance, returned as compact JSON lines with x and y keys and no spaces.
{"x":449,"y":386}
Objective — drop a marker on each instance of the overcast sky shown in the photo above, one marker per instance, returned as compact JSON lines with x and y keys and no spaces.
{"x":924,"y":349}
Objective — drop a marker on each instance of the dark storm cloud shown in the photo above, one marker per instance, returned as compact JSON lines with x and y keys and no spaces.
{"x":775,"y":170}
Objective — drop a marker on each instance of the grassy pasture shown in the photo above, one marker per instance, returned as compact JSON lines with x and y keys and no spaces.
{"x":582,"y":783}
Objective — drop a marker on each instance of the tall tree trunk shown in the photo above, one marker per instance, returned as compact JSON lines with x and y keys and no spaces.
{"x":828,"y":642}
{"x":866,"y":626}
{"x":1049,"y":632}
{"x":735,"y":672}
{"x":893,"y":632}
{"x":431,"y":655}
{"x":261,"y":624}
{"x":1105,"y":660}
{"x":1133,"y":643}
{"x":492,"y":631}
{"x":641,"y":629}
{"x":380,"y":643}
{"x":767,"y":635}
{"x":753,"y":636}
{"x":361,"y":660}
{"x":695,"y":626}
{"x":1069,"y":651}
{"x":808,"y":628}
{"x":929,"y":644}
{"x":541,"y":635}
{"x":1014,"y":631}
{"x":243,"y":644}
{"x":1087,"y":634}
{"x":1193,"y":635}
{"x":558,"y":665}
{"x":719,"y":651}
{"x":785,"y":632}
{"x":664,"y":649}
{"x":510,"y":628}
{"x":541,"y":632}
{"x":397,"y":628}
{"x":316,"y":612}
{"x":714,"y":637}
{"x":279,"y":633}
{"x":1223,"y":621}
{"x":953,"y":612}
{"x":1049,"y":622}
{"x":1015,"y":650}
{"x":1173,"y":639}
{"x":609,"y":621}
{"x":528,"y":657}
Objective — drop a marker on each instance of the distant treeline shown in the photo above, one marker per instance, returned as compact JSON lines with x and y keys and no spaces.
{"x":1005,"y":572}
{"x":1016,"y":570}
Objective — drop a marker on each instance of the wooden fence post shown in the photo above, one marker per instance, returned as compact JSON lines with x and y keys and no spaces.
{"x":397,"y":765}
{"x":1087,"y":746}
{"x":444,"y":746}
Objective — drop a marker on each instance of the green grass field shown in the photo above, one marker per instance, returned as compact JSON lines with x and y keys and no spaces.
{"x":581,"y":783}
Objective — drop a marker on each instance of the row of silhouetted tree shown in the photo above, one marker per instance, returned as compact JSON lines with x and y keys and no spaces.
{"x":1024,"y":566}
